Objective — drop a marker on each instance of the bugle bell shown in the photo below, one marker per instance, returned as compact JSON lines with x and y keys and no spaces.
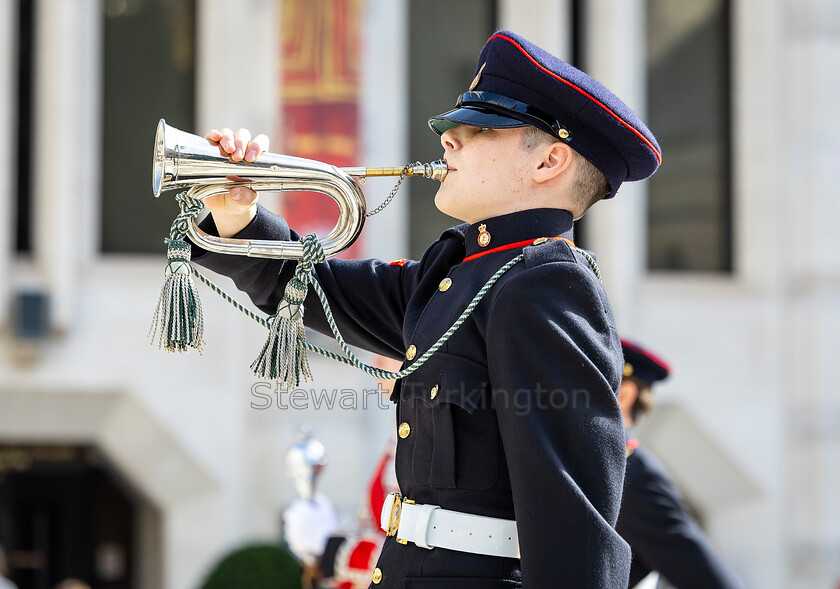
{"x":184,"y":160}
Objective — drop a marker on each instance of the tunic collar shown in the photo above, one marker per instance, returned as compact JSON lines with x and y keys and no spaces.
{"x":516,"y":227}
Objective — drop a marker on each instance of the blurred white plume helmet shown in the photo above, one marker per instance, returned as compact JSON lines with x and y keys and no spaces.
{"x":304,"y":462}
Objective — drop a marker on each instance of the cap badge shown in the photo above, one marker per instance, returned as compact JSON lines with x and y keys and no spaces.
{"x":477,"y":78}
{"x":483,"y":235}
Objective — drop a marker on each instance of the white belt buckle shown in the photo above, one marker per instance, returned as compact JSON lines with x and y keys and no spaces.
{"x":403,"y":501}
{"x":392,"y":524}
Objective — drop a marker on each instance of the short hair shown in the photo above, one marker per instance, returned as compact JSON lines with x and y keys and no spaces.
{"x":590,"y":184}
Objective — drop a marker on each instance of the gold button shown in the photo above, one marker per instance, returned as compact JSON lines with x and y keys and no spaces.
{"x":540,"y":240}
{"x":404,"y":430}
{"x":445,"y":284}
{"x":563,"y":134}
{"x":377,"y":576}
{"x":411,"y":352}
{"x":433,"y":392}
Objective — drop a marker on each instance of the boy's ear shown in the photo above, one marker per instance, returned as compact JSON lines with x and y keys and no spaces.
{"x":556,"y":158}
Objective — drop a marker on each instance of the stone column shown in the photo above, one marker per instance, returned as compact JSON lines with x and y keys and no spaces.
{"x":8,"y":159}
{"x":66,"y":147}
{"x":615,"y":55}
{"x":808,"y":84}
{"x":548,"y":23}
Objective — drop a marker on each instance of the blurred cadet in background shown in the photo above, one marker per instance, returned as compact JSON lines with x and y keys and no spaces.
{"x":662,"y":534}
{"x":349,"y":557}
{"x":344,"y":559}
{"x":311,"y":518}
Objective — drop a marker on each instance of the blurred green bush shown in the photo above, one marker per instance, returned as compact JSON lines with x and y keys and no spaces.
{"x":259,"y":566}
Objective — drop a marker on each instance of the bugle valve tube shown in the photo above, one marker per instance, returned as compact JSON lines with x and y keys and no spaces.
{"x":434,"y":170}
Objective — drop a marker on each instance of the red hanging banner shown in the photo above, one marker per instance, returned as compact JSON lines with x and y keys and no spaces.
{"x":320,"y":88}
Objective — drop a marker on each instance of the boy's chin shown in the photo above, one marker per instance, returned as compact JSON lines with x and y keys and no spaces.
{"x":440,"y":200}
{"x":447,"y":208}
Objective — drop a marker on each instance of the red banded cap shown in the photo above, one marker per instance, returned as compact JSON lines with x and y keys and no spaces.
{"x":643,"y":364}
{"x":517,"y":84}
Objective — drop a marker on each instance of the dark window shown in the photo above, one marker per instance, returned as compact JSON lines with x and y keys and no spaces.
{"x":690,"y":213}
{"x":443,"y":51}
{"x":148,"y":69}
{"x":578,"y":59}
{"x":65,"y":514}
{"x":578,"y":15}
{"x":25,"y":57}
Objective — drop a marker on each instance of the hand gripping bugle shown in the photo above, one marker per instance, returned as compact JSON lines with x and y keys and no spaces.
{"x":184,"y":160}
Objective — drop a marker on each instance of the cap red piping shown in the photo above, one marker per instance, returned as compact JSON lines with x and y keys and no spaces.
{"x":650,"y":356}
{"x":580,"y":90}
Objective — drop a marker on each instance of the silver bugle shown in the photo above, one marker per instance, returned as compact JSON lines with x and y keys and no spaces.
{"x":184,"y":160}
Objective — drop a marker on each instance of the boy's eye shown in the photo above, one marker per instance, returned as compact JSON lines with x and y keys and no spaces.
{"x":483,"y":129}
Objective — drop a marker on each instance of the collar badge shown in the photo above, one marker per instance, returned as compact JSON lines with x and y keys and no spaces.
{"x":483,"y":235}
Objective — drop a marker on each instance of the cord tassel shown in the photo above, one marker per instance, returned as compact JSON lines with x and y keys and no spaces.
{"x":178,"y":318}
{"x":283,"y":356}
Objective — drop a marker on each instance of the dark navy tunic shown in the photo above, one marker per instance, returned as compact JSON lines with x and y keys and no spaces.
{"x":524,"y":423}
{"x":661,"y":532}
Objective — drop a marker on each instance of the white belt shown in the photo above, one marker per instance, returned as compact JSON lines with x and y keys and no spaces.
{"x":429,"y":527}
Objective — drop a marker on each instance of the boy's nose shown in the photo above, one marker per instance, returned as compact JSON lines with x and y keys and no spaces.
{"x":449,"y":140}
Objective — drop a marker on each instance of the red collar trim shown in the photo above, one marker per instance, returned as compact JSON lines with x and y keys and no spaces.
{"x":513,"y":245}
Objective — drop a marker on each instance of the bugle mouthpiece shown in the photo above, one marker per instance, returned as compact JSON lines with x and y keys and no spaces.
{"x":435,"y":170}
